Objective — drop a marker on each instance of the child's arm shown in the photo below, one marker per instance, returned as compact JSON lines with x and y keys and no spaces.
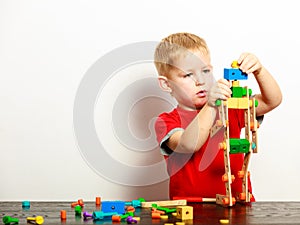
{"x":270,"y":96}
{"x":197,"y":132}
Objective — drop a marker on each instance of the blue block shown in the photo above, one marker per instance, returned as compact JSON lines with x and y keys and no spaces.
{"x":134,"y":203}
{"x":99,"y":215}
{"x":26,"y":204}
{"x":234,"y":74}
{"x":113,"y":206}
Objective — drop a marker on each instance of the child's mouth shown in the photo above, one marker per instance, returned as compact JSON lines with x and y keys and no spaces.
{"x":202,"y":94}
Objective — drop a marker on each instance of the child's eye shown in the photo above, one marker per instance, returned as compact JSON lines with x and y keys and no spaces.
{"x":206,"y":71}
{"x":188,"y":75}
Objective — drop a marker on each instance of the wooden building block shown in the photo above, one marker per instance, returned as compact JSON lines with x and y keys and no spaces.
{"x":184,"y":212}
{"x":178,"y":202}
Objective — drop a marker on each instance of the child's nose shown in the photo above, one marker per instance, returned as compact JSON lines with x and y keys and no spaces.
{"x":199,"y":79}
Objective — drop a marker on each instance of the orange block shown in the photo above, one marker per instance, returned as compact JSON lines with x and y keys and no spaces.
{"x":98,"y":200}
{"x":63,"y":214}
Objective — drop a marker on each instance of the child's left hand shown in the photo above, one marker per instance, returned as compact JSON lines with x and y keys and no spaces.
{"x":249,"y":63}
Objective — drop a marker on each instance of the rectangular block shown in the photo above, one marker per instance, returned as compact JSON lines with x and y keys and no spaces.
{"x":113,"y":206}
{"x":176,"y":202}
{"x":233,"y":103}
{"x":237,"y":92}
{"x":234,"y":74}
{"x":244,"y":103}
{"x":239,"y":145}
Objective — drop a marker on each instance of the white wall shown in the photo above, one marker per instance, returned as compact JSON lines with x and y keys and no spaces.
{"x":50,"y":49}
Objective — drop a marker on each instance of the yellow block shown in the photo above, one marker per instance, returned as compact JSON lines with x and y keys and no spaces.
{"x":244,"y":103}
{"x":233,"y":103}
{"x":185,"y":212}
{"x":235,"y":83}
{"x":234,"y":64}
{"x":224,"y":221}
{"x":238,"y":103}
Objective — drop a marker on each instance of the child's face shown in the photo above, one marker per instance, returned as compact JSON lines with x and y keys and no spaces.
{"x":191,"y":80}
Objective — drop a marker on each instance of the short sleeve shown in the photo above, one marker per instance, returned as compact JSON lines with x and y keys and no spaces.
{"x":166,"y":125}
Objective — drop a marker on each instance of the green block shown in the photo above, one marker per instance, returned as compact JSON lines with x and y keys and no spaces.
{"x":245,"y":91}
{"x":234,"y":145}
{"x":218,"y":102}
{"x":238,"y":145}
{"x":237,"y":92}
{"x":244,"y":145}
{"x":9,"y":220}
{"x":250,"y":92}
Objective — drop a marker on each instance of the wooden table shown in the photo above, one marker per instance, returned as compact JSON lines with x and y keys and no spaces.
{"x":204,"y":213}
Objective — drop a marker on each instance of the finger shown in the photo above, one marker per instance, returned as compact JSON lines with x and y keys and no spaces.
{"x":225,"y":86}
{"x":225,"y":82}
{"x":215,"y":97}
{"x":222,"y":90}
{"x":252,"y":69}
{"x":242,"y":57}
{"x":248,"y":64}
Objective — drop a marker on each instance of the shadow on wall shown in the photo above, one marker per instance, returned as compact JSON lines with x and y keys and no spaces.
{"x":142,"y":102}
{"x":129,"y":154}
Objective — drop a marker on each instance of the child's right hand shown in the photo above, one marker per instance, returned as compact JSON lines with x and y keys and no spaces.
{"x":220,"y":90}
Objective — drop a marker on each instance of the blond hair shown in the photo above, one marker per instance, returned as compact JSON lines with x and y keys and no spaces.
{"x":175,"y":46}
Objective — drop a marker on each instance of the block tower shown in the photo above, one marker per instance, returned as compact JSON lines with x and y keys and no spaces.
{"x":240,"y":99}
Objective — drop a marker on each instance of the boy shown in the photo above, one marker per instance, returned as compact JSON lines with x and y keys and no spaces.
{"x":185,"y":71}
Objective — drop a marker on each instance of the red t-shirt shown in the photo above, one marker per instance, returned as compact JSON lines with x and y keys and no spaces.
{"x":199,"y":174}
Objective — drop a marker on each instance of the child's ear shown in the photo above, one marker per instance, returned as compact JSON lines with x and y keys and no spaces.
{"x":164,"y":84}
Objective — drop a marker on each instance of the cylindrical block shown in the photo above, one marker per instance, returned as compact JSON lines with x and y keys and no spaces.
{"x":98,"y":200}
{"x":26,"y":204}
{"x":63,"y":214}
{"x":155,"y":215}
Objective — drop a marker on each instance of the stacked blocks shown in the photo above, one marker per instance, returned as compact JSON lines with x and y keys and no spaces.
{"x":241,"y":99}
